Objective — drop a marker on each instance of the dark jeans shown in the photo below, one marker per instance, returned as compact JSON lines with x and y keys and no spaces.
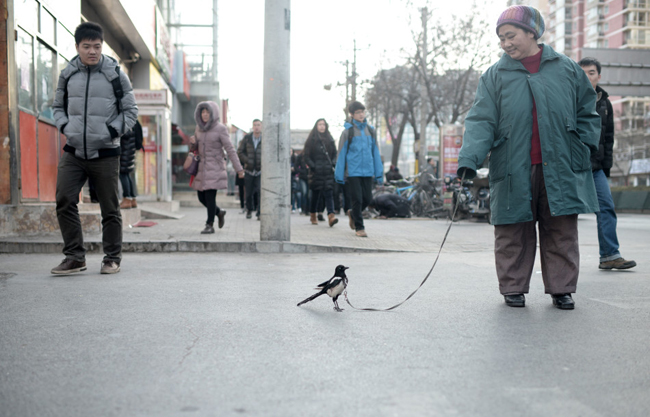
{"x":209,"y":199}
{"x":304,"y":194}
{"x":360,"y":192}
{"x":253,"y":192}
{"x":242,"y":195}
{"x":606,"y":219}
{"x":72,"y":174}
{"x":321,"y":195}
{"x":128,"y":185}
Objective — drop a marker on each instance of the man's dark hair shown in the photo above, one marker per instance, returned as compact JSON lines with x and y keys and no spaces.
{"x":354,"y":106}
{"x":88,"y":31}
{"x":257,"y":120}
{"x":589,"y":61}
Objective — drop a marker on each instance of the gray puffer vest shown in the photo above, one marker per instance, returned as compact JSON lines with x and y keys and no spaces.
{"x":92,"y":108}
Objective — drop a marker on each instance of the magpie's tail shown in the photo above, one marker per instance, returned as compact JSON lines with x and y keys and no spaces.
{"x":318,"y":294}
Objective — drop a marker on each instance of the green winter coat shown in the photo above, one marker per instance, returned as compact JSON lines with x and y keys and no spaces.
{"x":500,"y":123}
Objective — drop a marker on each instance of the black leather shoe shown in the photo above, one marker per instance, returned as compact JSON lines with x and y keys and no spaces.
{"x":563,"y":301}
{"x":515,"y":300}
{"x":221,"y":216}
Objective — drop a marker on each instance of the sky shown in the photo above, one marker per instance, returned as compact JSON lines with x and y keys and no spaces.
{"x":322,"y":35}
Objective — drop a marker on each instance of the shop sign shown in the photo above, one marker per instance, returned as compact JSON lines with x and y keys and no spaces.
{"x":452,"y":140}
{"x":164,"y":49}
{"x":157,"y":97}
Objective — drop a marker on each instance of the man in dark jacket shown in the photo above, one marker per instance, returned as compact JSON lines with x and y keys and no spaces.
{"x":88,"y":111}
{"x":601,"y":163}
{"x":391,"y":205}
{"x":250,"y":156}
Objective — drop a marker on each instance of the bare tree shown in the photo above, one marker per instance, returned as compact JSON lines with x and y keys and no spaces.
{"x":458,"y":50}
{"x":394,"y":96}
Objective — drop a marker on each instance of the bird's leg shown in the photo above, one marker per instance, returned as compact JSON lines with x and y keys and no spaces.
{"x":336,"y":305}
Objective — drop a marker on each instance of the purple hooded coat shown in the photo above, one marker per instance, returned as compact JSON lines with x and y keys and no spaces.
{"x":212,"y":139}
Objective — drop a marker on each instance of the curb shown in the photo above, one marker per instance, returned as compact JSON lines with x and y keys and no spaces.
{"x":190,"y":246}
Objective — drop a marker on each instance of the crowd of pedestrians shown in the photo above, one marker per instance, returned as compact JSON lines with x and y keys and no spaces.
{"x":543,"y":119}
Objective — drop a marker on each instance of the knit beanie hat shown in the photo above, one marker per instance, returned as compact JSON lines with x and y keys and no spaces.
{"x":525,"y":17}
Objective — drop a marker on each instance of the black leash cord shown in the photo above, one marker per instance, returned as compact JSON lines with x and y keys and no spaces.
{"x":345,"y":292}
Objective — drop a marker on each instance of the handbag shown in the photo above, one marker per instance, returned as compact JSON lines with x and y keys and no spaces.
{"x":191,"y":164}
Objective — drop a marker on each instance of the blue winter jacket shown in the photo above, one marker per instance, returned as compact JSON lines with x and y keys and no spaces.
{"x":361,"y":158}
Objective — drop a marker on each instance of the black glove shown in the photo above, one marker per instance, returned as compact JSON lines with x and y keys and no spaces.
{"x":112,"y":131}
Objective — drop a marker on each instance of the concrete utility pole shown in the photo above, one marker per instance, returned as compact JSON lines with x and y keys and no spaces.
{"x":215,"y":33}
{"x":276,"y":134}
{"x":422,"y":159}
{"x":354,"y":73}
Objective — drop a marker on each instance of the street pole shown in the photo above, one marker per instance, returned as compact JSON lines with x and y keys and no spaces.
{"x":354,"y":73}
{"x":276,"y":134}
{"x":215,"y":50}
{"x":422,"y":159}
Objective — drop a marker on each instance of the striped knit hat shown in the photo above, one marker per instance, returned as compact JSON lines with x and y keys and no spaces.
{"x":525,"y":17}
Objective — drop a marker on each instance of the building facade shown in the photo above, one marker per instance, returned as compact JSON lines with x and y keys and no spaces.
{"x":38,"y":43}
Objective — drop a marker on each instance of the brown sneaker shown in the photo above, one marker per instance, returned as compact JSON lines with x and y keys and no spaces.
{"x":221,"y":216}
{"x":619,"y":263}
{"x":133,"y":203}
{"x":125,"y":204}
{"x":351,"y":219}
{"x":68,"y":266}
{"x":361,"y":233}
{"x":110,"y":267}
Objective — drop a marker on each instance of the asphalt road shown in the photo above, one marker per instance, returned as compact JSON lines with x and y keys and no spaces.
{"x":214,"y":334}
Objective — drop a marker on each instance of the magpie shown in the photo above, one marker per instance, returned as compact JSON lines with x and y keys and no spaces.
{"x":332,"y":287}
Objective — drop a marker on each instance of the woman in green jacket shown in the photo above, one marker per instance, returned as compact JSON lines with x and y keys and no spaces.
{"x":534,"y":114}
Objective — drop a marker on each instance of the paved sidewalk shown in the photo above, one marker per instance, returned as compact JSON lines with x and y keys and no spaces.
{"x":243,"y":235}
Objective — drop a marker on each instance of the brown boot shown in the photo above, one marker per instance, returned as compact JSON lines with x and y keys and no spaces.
{"x":351,"y":220}
{"x":313,"y":219}
{"x":332,"y":219}
{"x":125,"y":204}
{"x":133,"y":203}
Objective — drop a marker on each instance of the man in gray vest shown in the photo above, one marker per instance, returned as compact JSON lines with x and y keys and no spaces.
{"x":93,"y":107}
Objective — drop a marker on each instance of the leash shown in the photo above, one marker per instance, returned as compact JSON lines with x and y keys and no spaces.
{"x":345,"y":292}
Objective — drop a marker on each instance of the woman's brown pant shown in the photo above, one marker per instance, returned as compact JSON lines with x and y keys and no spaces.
{"x":515,"y":246}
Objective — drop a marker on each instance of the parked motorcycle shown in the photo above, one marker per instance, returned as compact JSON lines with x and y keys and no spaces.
{"x":472,"y":197}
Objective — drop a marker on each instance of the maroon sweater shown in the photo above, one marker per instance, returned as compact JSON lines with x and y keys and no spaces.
{"x":531,"y":63}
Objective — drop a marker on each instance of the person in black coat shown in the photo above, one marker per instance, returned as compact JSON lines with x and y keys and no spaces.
{"x":129,"y":143}
{"x":319,"y":155}
{"x":391,"y":205}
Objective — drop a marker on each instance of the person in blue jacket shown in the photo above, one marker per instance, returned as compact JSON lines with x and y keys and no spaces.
{"x":358,"y":164}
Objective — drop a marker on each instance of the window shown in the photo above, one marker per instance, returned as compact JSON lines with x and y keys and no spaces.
{"x":47,"y":26}
{"x":26,"y":10}
{"x":25,"y":55}
{"x":45,"y":85}
{"x":65,"y":42}
{"x":567,"y":28}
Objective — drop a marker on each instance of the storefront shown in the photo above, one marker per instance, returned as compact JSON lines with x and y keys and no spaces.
{"x":153,"y":166}
{"x":43,"y":46}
